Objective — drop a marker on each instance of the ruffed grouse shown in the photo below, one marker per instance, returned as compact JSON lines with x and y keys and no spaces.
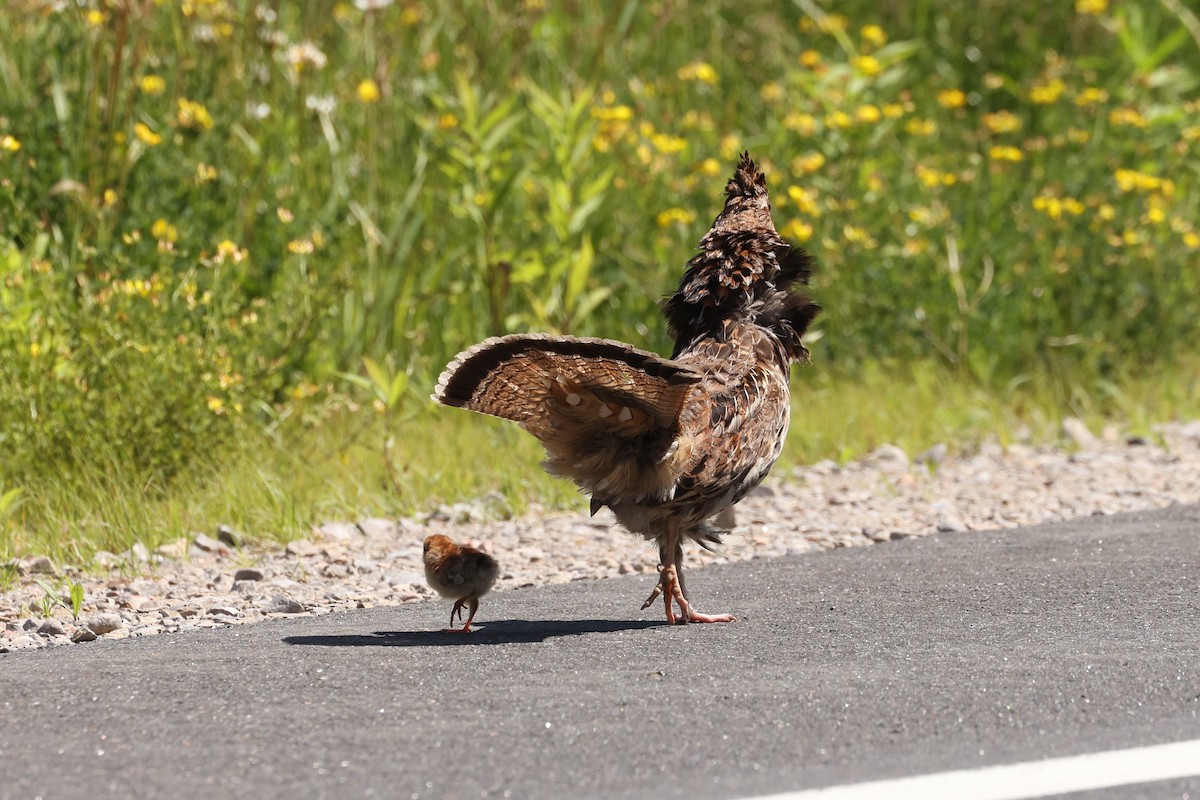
{"x":666,"y":443}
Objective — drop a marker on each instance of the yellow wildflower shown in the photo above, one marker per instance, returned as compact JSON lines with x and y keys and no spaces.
{"x":710,"y":167}
{"x":368,"y":91}
{"x":1047,"y":92}
{"x":1129,"y":180}
{"x":164,"y":231}
{"x":205,"y":173}
{"x":215,"y":404}
{"x":868,"y":114}
{"x":731,"y":146}
{"x":798,"y":121}
{"x":109,"y":197}
{"x":808,"y":163}
{"x":1002,"y":122}
{"x":666,"y":143}
{"x":932,"y":177}
{"x":838,"y":119}
{"x":1106,"y":212}
{"x":833,"y":22}
{"x":797,"y":231}
{"x":893,"y":110}
{"x":857,"y":235}
{"x":805,"y":200}
{"x":228,"y":251}
{"x":771,"y":92}
{"x":675,"y":215}
{"x":619,"y":113}
{"x":810,"y":59}
{"x":1005,"y":153}
{"x":920,"y":127}
{"x":1078,"y":136}
{"x":95,"y":17}
{"x":1050,"y":206}
{"x":410,"y":16}
{"x":143,"y":132}
{"x":1091,"y":96}
{"x":1091,"y":6}
{"x":447,"y":122}
{"x":1130,"y":117}
{"x":300,"y":247}
{"x":698,"y":71}
{"x":152,"y":84}
{"x":873,"y":35}
{"x":191,"y":114}
{"x":1192,"y":240}
{"x":9,"y":144}
{"x":868,"y":65}
{"x":951,"y":98}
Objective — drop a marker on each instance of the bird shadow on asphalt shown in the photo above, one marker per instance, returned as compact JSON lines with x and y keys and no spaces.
{"x":498,"y":632}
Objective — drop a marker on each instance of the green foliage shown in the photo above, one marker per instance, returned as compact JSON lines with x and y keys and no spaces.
{"x":231,"y":229}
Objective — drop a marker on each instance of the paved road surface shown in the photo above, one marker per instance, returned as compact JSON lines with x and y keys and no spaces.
{"x":945,"y":653}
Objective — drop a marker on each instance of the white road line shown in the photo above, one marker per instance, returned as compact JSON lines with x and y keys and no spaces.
{"x":1027,"y":780}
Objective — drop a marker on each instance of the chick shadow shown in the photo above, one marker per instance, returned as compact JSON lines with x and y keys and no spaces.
{"x":499,"y":632}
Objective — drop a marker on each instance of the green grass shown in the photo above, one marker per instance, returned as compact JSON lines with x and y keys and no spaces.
{"x":277,"y":489}
{"x":215,"y":214}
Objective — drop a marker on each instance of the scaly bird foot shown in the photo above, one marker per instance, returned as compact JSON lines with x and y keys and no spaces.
{"x":671,"y":590}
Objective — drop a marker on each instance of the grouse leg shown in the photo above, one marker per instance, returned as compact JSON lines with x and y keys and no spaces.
{"x":670,"y":584}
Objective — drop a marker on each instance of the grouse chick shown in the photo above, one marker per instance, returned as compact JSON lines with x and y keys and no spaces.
{"x":463,"y":573}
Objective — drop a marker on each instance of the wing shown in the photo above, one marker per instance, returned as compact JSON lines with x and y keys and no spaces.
{"x":607,"y":413}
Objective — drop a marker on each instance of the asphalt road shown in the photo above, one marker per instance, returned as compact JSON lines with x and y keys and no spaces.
{"x":943,"y":653}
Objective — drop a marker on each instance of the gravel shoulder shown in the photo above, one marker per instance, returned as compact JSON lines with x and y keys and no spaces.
{"x":210,"y":581}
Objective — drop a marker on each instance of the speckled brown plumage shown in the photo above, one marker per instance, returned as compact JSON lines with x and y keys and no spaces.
{"x":666,"y":443}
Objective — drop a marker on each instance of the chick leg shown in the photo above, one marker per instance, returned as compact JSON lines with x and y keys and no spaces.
{"x":670,"y":584}
{"x":463,"y":602}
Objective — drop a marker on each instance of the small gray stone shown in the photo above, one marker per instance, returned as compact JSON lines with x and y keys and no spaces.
{"x":138,"y":553}
{"x":281,"y":604}
{"x":52,"y":627}
{"x":227,"y":611}
{"x":339,"y":531}
{"x":29,"y":625}
{"x":248,"y":574}
{"x":104,"y":622}
{"x":302,"y":548}
{"x":83,"y":635}
{"x":378,"y":528}
{"x":229,"y":536}
{"x":42,"y":565}
{"x":209,"y":544}
{"x":1075,"y":430}
{"x":934,"y":455}
{"x":951,"y":525}
{"x":245,"y":587}
{"x":889,"y":458}
{"x":175,"y":550}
